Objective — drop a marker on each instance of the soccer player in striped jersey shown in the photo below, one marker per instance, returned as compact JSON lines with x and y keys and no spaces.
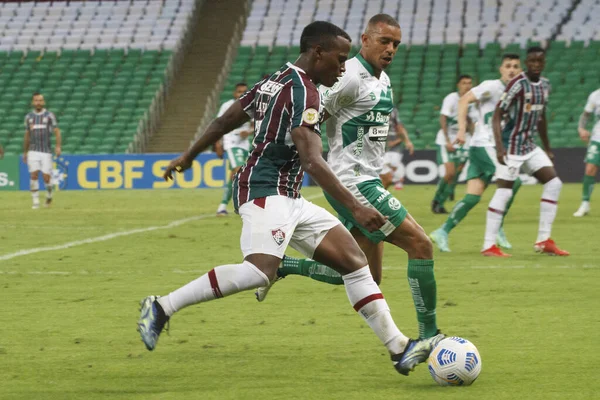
{"x":40,"y":124}
{"x":522,"y":107}
{"x":287,"y":112}
{"x":592,"y":157}
{"x":393,"y":170}
{"x":235,"y":146}
{"x":482,"y":158}
{"x":360,"y":104}
{"x":452,"y":157}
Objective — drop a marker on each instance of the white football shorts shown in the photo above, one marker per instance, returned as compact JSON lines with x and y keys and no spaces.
{"x":528,"y":164}
{"x":38,"y":161}
{"x":272,"y":223}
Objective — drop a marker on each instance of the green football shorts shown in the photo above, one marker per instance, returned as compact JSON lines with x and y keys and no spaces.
{"x":482,"y":163}
{"x":592,"y":156}
{"x":372,"y":193}
{"x":237,"y":157}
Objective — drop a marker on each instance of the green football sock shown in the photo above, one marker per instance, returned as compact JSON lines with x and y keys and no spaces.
{"x":228,"y":192}
{"x":588,"y":187}
{"x":460,"y":211}
{"x":449,"y":189}
{"x":423,"y":288}
{"x":310,"y":268}
{"x":440,"y":191}
{"x":515,"y":189}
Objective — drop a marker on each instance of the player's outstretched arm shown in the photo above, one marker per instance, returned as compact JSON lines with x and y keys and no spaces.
{"x":233,"y":118}
{"x":463,"y":111}
{"x":543,"y":132}
{"x":310,"y":148}
{"x":497,"y":128}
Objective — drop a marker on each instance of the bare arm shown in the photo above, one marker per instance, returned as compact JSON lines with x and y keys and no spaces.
{"x":497,"y":128}
{"x":584,"y":134}
{"x":310,"y":150}
{"x":1,"y":151}
{"x":463,"y":111}
{"x":233,"y":118}
{"x":543,"y":132}
{"x":444,"y":126}
{"x":58,"y":149}
{"x":403,"y":133}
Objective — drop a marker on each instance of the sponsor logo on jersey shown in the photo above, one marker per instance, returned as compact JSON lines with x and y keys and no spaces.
{"x":278,"y":236}
{"x":345,"y":101}
{"x":394,"y":203}
{"x":270,"y":88}
{"x":364,"y":75}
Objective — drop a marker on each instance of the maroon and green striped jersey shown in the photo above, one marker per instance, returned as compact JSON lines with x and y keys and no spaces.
{"x":525,"y":103}
{"x":284,"y":101}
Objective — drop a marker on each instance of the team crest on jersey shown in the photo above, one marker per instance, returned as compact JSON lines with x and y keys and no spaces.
{"x":345,"y":101}
{"x":528,"y":107}
{"x":278,"y":236}
{"x":310,"y":116}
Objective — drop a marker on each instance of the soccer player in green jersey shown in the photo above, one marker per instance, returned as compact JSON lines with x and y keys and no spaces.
{"x":451,"y":156}
{"x":482,"y":157}
{"x":234,"y":147}
{"x":592,"y":157}
{"x":287,"y":111}
{"x":359,"y":106}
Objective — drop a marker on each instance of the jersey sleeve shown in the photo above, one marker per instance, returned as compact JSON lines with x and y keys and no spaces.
{"x":447,"y":106}
{"x":306,"y":102}
{"x":342,"y":94}
{"x":53,"y":121}
{"x":483,"y":90}
{"x":509,"y":95}
{"x":590,"y":105}
{"x":248,"y":99}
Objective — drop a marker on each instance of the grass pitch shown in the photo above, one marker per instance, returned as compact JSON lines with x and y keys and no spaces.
{"x":68,"y":318}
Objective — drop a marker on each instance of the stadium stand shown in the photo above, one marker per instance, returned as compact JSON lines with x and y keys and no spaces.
{"x":441,"y":40}
{"x":102,"y":67}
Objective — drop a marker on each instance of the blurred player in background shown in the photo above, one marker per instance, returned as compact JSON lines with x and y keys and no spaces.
{"x":287,"y":110}
{"x":451,"y":156}
{"x":482,"y":157}
{"x":40,"y":124}
{"x":393,"y":170}
{"x":522,"y":108}
{"x":359,"y":106}
{"x":234,"y":146}
{"x":592,"y":157}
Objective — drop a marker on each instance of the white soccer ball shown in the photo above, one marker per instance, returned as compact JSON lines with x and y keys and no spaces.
{"x":454,"y":362}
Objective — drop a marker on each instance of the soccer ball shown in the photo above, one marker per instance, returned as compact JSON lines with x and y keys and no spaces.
{"x":454,"y":362}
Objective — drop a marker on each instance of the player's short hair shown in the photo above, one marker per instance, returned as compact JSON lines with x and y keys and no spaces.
{"x":237,"y":85}
{"x":510,"y":56}
{"x":320,"y":33}
{"x":383,"y":18}
{"x":36,"y":94}
{"x":464,"y":76}
{"x":535,"y":49}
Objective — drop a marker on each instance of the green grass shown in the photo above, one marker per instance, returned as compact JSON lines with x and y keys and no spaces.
{"x":68,"y":317}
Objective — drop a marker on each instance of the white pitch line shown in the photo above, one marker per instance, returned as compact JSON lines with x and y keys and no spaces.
{"x":111,"y":236}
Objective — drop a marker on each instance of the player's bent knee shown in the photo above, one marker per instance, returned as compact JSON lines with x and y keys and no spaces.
{"x":553,"y":186}
{"x":423,"y":248}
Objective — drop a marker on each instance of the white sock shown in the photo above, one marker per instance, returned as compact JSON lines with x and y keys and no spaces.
{"x":494,"y":216}
{"x":548,"y":208}
{"x":218,"y":282}
{"x":366,"y":298}
{"x":34,"y":186}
